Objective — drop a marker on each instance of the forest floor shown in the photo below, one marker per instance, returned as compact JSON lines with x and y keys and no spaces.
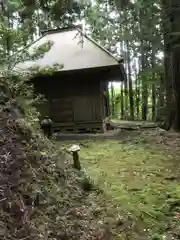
{"x":139,"y":171}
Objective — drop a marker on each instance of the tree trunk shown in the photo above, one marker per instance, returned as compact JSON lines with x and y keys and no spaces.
{"x":160,"y":102}
{"x":121,"y":85}
{"x":144,"y":87}
{"x":172,"y":62}
{"x":175,"y":31}
{"x":131,"y":98}
{"x":176,"y":87}
{"x":112,"y":101}
{"x":153,"y":102}
{"x":153,"y":87}
{"x":126,"y":94}
{"x":122,"y":100}
{"x":137,"y":84}
{"x":169,"y":92}
{"x":143,"y":60}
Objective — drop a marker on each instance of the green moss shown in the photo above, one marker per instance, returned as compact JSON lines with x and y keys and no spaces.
{"x":135,"y":178}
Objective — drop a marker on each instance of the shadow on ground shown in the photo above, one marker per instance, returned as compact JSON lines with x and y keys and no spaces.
{"x":153,"y":137}
{"x":115,"y":135}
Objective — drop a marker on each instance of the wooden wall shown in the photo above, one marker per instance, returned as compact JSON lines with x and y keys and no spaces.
{"x":73,"y":97}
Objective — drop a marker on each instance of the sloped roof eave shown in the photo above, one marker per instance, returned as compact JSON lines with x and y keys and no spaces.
{"x":113,"y":61}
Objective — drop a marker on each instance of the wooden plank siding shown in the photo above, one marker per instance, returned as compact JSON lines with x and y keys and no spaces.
{"x":71,"y":101}
{"x":61,"y":110}
{"x":74,"y":99}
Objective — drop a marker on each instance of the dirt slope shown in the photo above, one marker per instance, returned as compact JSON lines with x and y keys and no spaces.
{"x":42,"y":196}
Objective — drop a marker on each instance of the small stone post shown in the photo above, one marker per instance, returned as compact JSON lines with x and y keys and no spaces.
{"x":74,"y":149}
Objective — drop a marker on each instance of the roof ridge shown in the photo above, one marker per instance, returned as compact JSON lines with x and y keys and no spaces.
{"x":57,"y":30}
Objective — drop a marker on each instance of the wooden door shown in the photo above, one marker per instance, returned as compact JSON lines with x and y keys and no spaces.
{"x":85,"y":109}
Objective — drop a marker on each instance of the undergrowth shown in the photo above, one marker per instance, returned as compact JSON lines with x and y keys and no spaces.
{"x":41,"y":195}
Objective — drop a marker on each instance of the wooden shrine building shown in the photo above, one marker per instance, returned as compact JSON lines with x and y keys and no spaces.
{"x":77,"y":94}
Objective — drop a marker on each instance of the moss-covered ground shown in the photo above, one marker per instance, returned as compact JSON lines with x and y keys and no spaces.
{"x":139,"y":172}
